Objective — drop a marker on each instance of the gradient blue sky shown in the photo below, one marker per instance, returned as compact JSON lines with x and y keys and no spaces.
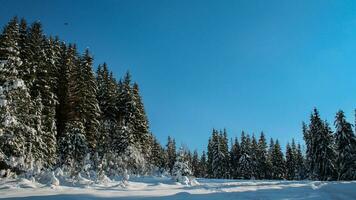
{"x":244,"y":65}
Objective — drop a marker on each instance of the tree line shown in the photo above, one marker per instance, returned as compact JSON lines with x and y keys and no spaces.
{"x":56,"y":112}
{"x":329,"y":155}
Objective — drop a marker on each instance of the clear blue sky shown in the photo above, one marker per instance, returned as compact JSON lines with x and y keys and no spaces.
{"x":244,"y":65}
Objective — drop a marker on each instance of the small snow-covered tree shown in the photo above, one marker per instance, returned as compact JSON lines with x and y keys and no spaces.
{"x":181,"y":166}
{"x":133,"y":161}
{"x":74,"y":147}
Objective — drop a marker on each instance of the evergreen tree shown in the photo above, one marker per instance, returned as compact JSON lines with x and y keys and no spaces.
{"x":245,"y":159}
{"x":290,"y":163}
{"x":75,"y":147}
{"x":320,"y":150}
{"x":262,"y":159}
{"x":269,"y":159}
{"x":66,"y":59}
{"x":345,"y":143}
{"x":220,"y":155}
{"x":300,"y":164}
{"x":107,"y":95}
{"x":158,"y":155}
{"x":181,"y":165}
{"x":141,"y":122}
{"x":171,"y":153}
{"x":91,"y":110}
{"x":129,"y":135}
{"x":16,"y":106}
{"x":277,"y":160}
{"x":235,"y":155}
{"x":195,"y":164}
{"x":254,"y":161}
{"x":203,"y":166}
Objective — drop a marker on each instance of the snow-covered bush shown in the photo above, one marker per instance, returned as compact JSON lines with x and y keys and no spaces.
{"x":181,"y":169}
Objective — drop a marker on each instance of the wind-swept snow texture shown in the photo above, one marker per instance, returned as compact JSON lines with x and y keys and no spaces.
{"x":151,"y":188}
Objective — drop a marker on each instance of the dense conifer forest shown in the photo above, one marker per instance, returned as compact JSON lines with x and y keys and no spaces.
{"x":57,"y":110}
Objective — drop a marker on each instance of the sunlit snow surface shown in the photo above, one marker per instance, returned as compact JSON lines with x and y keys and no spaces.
{"x":164,"y":188}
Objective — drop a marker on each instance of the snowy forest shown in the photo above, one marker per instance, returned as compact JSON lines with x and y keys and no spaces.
{"x":58,"y":111}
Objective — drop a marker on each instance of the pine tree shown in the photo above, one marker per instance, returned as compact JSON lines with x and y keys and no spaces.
{"x":66,"y":59}
{"x":220,"y":155}
{"x":75,"y":147}
{"x":158,"y":155}
{"x":141,"y":122}
{"x":320,"y":150}
{"x":225,"y":150}
{"x":262,"y":159}
{"x":278,"y":163}
{"x":300,"y":164}
{"x":210,"y":157}
{"x":91,"y":110}
{"x":345,"y":143}
{"x":235,"y":155}
{"x":245,"y":160}
{"x":254,"y":161}
{"x":195,"y":164}
{"x":16,"y":132}
{"x":181,"y":165}
{"x":107,"y":95}
{"x":290,"y":163}
{"x":171,"y":153}
{"x":203,"y":166}
{"x":269,"y":159}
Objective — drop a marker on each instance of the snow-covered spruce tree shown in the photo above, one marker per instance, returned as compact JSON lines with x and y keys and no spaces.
{"x":16,"y":133}
{"x":225,"y":149}
{"x":158,"y":156}
{"x":262,"y":160}
{"x":325,"y":154}
{"x":195,"y":164}
{"x":142,"y":134}
{"x":290,"y":163}
{"x":66,"y":59}
{"x":235,"y":154}
{"x":41,"y":84}
{"x":301,"y":172}
{"x":219,"y":155}
{"x":81,"y":95}
{"x":277,"y":160}
{"x":254,"y":161}
{"x":107,"y":95}
{"x":181,"y":166}
{"x":209,"y":168}
{"x":171,"y":153}
{"x":74,"y":147}
{"x":245,"y":159}
{"x":320,"y":150}
{"x":91,"y":110}
{"x":203,"y":166}
{"x":269,"y":159}
{"x":128,"y":120}
{"x":345,"y":143}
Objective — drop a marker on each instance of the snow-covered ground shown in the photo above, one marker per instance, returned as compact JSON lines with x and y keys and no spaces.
{"x":149,"y":188}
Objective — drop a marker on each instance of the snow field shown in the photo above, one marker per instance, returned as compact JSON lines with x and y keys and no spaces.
{"x":148,"y":188}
